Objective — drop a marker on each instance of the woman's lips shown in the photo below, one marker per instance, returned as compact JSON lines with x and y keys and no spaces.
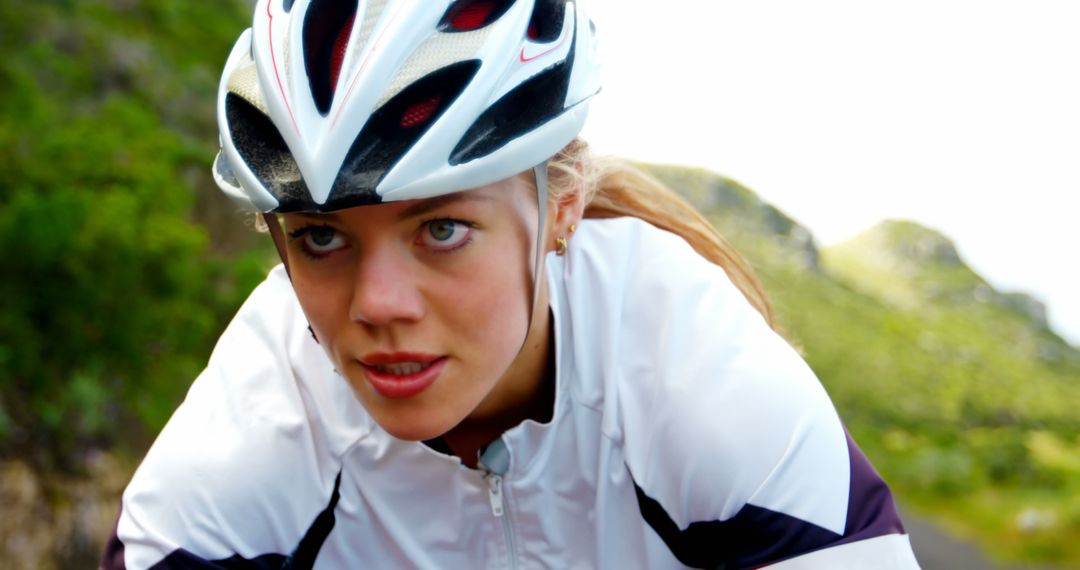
{"x":400,"y":375}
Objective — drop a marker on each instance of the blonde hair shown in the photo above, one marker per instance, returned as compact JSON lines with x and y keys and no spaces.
{"x":614,"y":188}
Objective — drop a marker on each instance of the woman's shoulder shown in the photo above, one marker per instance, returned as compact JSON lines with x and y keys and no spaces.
{"x":633,"y":289}
{"x":674,"y":320}
{"x":639,"y":262}
{"x":268,"y":368}
{"x":217,"y":482}
{"x":267,"y":390}
{"x":712,"y":409}
{"x":677,"y":355}
{"x":629,"y":236}
{"x":631,"y":293}
{"x":267,"y":414}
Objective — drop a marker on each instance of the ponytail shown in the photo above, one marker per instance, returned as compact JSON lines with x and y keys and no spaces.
{"x":617,"y":189}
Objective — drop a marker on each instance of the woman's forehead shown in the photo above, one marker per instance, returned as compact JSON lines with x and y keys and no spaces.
{"x":502,"y":194}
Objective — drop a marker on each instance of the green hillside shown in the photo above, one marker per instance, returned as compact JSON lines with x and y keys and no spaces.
{"x":960,"y":394}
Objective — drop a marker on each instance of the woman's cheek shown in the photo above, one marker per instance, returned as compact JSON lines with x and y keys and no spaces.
{"x":503,"y":303}
{"x":323,"y":305}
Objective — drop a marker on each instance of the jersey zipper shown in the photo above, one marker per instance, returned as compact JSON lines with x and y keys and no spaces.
{"x":495,"y":461}
{"x":498,"y":508}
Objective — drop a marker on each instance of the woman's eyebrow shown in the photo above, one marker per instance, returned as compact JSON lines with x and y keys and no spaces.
{"x":318,"y":216}
{"x":430,"y":204}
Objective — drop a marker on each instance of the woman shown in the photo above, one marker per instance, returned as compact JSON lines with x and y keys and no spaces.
{"x":421,"y":384}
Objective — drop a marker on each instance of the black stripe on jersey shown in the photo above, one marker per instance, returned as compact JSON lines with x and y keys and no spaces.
{"x":871,"y":509}
{"x":308,"y":550}
{"x":752,"y":537}
{"x":302,"y":558}
{"x":757,"y":536}
{"x":183,"y":560}
{"x":113,"y":556}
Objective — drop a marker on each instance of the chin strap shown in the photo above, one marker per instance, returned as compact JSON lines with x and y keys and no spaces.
{"x":540,"y":171}
{"x":278,"y":236}
{"x":279,"y":239}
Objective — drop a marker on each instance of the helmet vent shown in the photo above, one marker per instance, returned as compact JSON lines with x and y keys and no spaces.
{"x":547,"y":20}
{"x":419,"y":113}
{"x":339,"y":53}
{"x":327,"y":27}
{"x":264,"y":150}
{"x":469,"y":15}
{"x":538,"y":100}
{"x":392,"y":130}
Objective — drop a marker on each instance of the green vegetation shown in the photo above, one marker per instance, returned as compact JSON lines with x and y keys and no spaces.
{"x":959,"y":394}
{"x":111,"y":295}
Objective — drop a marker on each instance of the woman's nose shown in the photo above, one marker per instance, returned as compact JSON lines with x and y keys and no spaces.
{"x":385,"y":290}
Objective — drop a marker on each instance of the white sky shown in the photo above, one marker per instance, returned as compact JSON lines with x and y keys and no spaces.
{"x":963,"y":115}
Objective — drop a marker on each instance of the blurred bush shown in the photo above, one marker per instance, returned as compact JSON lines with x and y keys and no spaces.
{"x":111,"y":295}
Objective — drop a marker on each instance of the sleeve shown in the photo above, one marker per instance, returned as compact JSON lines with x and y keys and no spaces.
{"x":243,"y":475}
{"x":738,"y":457}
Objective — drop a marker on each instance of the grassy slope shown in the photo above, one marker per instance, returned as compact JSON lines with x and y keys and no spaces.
{"x":966,"y":405}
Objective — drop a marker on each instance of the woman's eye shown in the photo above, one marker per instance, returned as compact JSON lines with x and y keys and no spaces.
{"x":321,"y":240}
{"x":444,"y":234}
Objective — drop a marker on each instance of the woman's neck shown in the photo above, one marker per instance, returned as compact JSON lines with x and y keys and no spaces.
{"x":528,"y":389}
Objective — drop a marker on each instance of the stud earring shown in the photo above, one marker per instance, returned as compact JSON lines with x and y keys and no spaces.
{"x":572,"y":228}
{"x":560,"y":246}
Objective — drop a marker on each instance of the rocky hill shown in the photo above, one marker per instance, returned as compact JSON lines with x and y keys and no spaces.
{"x":741,"y":213}
{"x":959,"y":393}
{"x":904,"y":263}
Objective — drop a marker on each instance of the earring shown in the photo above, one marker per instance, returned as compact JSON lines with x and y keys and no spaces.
{"x":560,"y":246}
{"x":572,"y":228}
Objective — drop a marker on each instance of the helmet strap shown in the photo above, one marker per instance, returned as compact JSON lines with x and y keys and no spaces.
{"x":540,"y":171}
{"x":278,"y":236}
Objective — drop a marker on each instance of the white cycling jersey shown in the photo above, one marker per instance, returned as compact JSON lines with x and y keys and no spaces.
{"x":685,"y":432}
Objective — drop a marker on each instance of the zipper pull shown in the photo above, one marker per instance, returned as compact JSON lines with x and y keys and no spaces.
{"x":495,"y":494}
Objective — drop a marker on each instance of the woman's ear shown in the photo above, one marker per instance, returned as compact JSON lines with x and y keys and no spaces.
{"x":569,"y":209}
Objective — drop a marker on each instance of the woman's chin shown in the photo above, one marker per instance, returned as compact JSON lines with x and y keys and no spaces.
{"x":410,"y":430}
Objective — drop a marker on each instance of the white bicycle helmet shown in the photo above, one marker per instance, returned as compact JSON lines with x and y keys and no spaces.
{"x":330,"y":104}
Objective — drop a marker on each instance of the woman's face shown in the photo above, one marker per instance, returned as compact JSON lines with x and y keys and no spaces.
{"x":424,"y":305}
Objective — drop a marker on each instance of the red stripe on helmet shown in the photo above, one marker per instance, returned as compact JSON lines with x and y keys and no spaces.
{"x":340,"y":45}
